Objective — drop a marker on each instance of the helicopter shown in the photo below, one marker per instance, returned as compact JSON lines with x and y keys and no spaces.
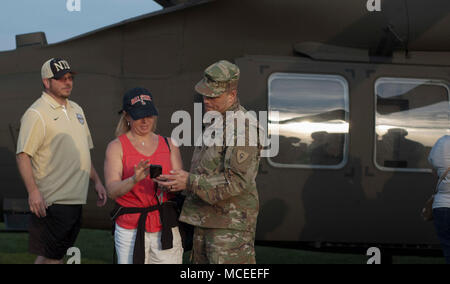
{"x":361,"y":88}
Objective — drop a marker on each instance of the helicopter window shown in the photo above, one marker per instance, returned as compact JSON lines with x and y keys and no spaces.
{"x":312,"y":120}
{"x":411,"y":115}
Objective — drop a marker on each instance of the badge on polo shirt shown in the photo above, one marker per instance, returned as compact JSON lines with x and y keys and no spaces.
{"x":80,"y":118}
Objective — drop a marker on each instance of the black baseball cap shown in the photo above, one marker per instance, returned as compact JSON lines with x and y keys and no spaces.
{"x":138,"y":102}
{"x":55,"y":68}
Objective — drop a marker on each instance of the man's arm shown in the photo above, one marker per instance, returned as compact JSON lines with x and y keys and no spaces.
{"x":35,"y":199}
{"x":238,"y":174}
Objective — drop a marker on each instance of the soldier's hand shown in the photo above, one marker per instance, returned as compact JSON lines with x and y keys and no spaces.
{"x":176,"y":181}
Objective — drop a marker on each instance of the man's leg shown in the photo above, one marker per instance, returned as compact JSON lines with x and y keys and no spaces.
{"x":51,"y":236}
{"x":198,"y":253}
{"x":43,"y":260}
{"x":225,"y":246}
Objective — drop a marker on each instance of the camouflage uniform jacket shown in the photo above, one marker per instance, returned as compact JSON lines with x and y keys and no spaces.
{"x":221,"y":191}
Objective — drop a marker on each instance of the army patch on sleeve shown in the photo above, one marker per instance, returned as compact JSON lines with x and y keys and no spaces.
{"x":241,"y":156}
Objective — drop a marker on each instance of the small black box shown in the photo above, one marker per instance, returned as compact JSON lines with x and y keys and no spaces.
{"x":16,"y":213}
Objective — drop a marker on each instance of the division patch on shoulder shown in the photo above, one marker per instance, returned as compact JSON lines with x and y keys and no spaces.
{"x":242,"y":156}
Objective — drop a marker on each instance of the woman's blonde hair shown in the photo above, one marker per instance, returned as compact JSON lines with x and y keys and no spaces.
{"x":124,"y":126}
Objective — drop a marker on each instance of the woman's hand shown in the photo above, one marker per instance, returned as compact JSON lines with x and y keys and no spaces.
{"x":141,"y":170}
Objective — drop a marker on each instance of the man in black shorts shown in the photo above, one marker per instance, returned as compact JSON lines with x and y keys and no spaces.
{"x":53,"y":157}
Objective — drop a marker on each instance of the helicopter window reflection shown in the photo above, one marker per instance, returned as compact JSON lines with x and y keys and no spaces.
{"x":411,"y":115}
{"x":313,"y":120}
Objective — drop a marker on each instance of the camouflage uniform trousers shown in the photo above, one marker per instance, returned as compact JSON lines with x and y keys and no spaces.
{"x":223,"y":246}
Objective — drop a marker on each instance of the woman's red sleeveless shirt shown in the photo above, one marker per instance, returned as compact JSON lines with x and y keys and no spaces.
{"x":143,"y":193}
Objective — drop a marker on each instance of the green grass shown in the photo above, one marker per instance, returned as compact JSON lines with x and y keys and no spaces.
{"x":96,"y":248}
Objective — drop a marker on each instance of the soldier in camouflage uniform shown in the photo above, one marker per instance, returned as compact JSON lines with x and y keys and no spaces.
{"x":221,"y":195}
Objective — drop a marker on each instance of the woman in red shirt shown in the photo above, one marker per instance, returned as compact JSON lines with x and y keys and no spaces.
{"x":146,"y":227}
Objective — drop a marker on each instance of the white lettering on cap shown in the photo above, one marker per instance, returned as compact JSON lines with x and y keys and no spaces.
{"x":61,"y":65}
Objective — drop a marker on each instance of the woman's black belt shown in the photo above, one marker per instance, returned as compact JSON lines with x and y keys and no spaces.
{"x":169,"y":219}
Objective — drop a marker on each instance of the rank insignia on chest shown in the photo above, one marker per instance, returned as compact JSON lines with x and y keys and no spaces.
{"x":80,"y":118}
{"x":241,"y":156}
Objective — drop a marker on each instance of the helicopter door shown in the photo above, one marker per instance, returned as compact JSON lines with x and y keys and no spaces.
{"x":304,"y":188}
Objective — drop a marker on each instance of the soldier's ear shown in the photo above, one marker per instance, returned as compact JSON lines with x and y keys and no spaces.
{"x":233,"y":95}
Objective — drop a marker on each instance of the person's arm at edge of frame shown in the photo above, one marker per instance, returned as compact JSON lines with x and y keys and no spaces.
{"x":36,"y":201}
{"x":431,"y":158}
